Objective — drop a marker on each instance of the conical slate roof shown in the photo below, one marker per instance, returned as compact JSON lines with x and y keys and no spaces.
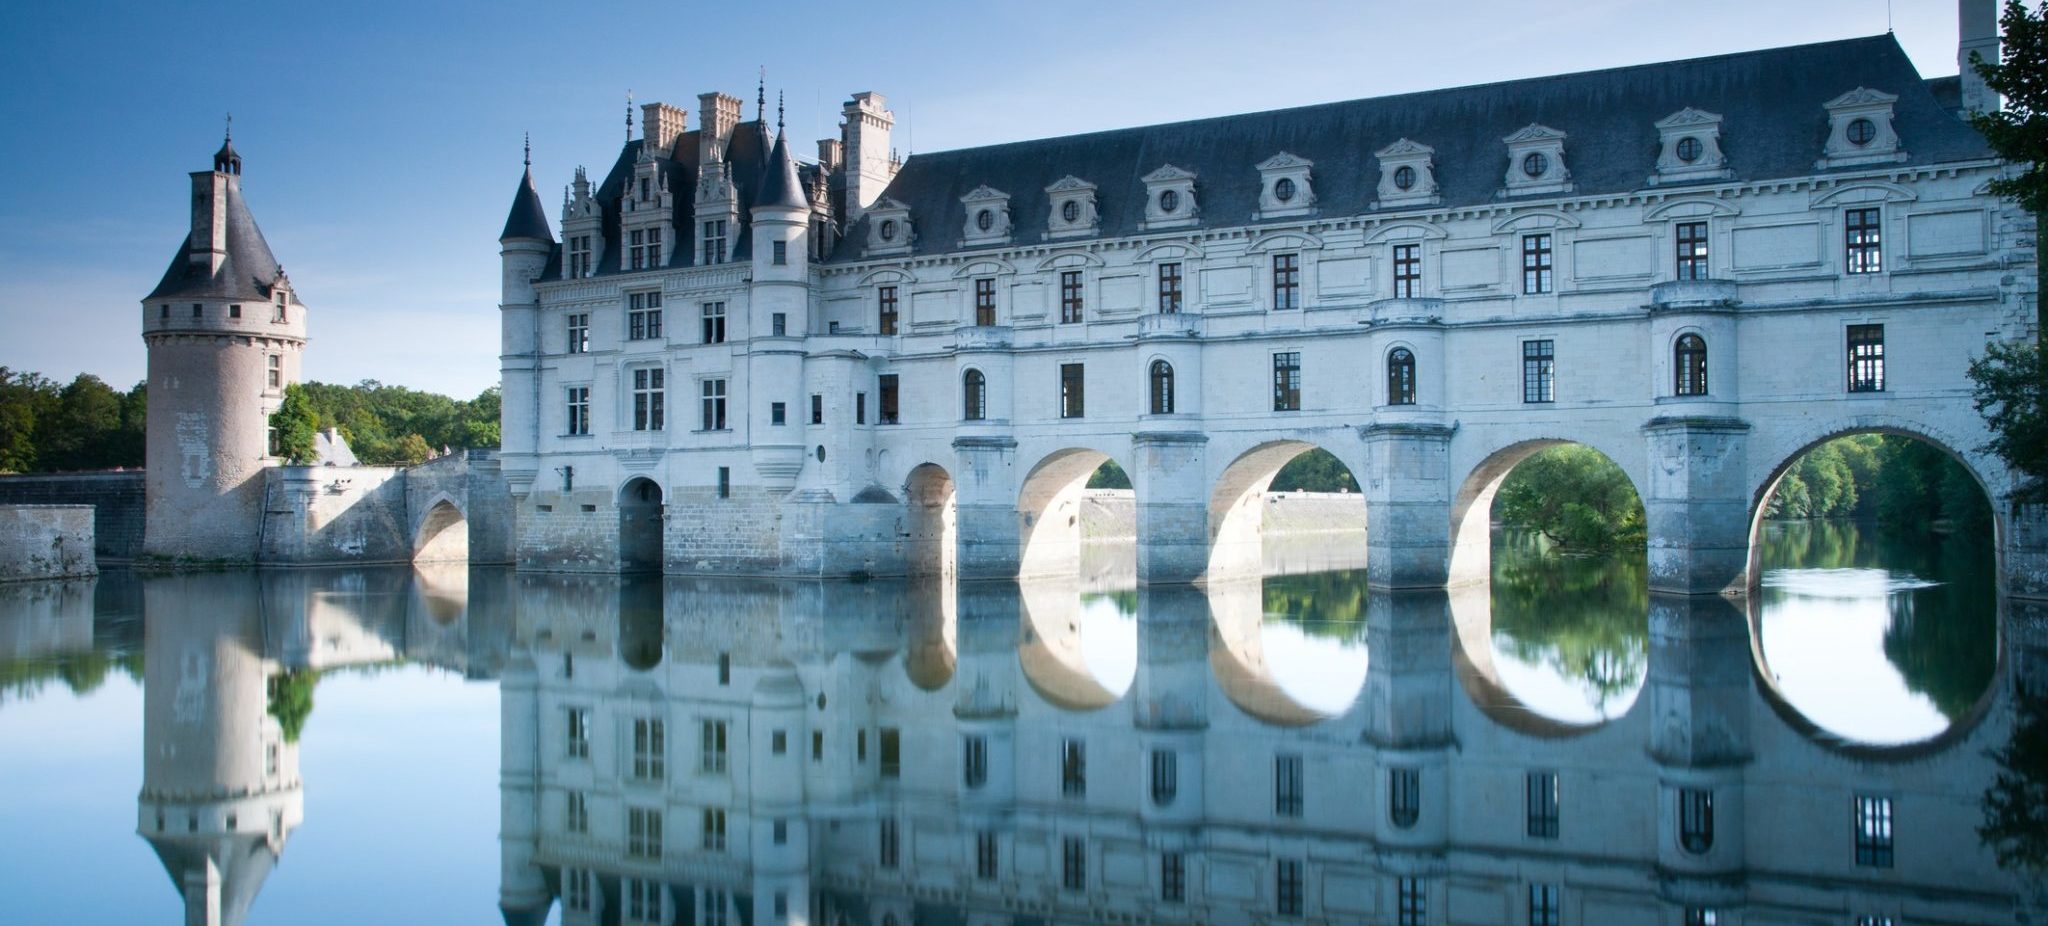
{"x":780,"y":188}
{"x":247,"y":273}
{"x":528,"y":219}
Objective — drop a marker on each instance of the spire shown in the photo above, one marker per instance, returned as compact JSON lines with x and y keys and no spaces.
{"x":778,"y":114}
{"x":226,"y":161}
{"x":529,"y":154}
{"x":780,"y":187}
{"x":761,"y":97}
{"x":629,"y":116}
{"x":528,"y":219}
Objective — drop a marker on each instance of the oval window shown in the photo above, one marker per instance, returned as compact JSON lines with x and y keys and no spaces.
{"x":985,"y":219}
{"x":889,"y":230}
{"x":1070,"y":212}
{"x":1688,"y":149}
{"x":1862,"y":132}
{"x":821,"y":453}
{"x":1536,"y":164}
{"x":1283,"y":189}
{"x":1169,"y":201}
{"x":1404,"y":178}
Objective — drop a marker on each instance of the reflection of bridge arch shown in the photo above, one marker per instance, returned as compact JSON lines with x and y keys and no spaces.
{"x":1238,"y":510}
{"x":1472,"y":661}
{"x":931,"y":651}
{"x":442,"y":532}
{"x":1238,"y":658}
{"x":1053,"y":647}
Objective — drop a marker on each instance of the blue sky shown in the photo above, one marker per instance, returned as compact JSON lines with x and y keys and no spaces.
{"x":381,"y":140}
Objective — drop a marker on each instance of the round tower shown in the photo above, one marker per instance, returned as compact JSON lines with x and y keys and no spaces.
{"x":524,"y":249}
{"x":224,"y":334}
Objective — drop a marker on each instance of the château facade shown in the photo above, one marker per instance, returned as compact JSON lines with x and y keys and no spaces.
{"x":731,"y":361}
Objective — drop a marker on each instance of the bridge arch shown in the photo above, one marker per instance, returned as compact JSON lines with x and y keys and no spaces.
{"x":1471,"y":559}
{"x":1050,"y":511}
{"x":1239,"y":517}
{"x":442,"y":532}
{"x":930,"y":521}
{"x":640,"y":525}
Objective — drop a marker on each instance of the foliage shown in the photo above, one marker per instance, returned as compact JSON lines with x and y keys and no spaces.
{"x":291,"y":700}
{"x":2019,"y":130}
{"x":2011,"y":392}
{"x":1109,"y":476}
{"x":393,"y":424}
{"x":85,"y":425}
{"x":1575,"y":497}
{"x":1318,"y":470}
{"x":2016,"y":804}
{"x":1325,"y":604}
{"x":1586,"y":616}
{"x":296,"y":427}
{"x":1893,"y":480}
{"x":81,"y":672}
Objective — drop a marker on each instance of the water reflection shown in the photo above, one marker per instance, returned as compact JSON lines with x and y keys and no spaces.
{"x":1568,"y":634}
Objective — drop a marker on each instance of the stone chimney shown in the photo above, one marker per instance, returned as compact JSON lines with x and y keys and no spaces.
{"x":210,"y":219}
{"x":1977,"y":33}
{"x":868,"y":162}
{"x":829,"y":150}
{"x":717,"y":116}
{"x":660,"y":123}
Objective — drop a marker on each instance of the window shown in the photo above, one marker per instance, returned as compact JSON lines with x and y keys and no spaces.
{"x":1866,"y":358}
{"x":778,"y":325}
{"x":643,"y":901}
{"x":1073,"y":768}
{"x":781,"y":904}
{"x":1286,"y":282}
{"x":1400,"y":376}
{"x":985,"y":301}
{"x":860,"y":408}
{"x":649,"y":399}
{"x":234,"y":311}
{"x":714,"y":323}
{"x":780,"y":832}
{"x":1873,"y":831}
{"x":1287,"y":786}
{"x":714,"y":747}
{"x":1861,"y":132}
{"x":1162,"y":388}
{"x":781,"y":253}
{"x":274,"y":371}
{"x":886,"y":320}
{"x":1702,"y":916}
{"x":985,"y":855}
{"x":1287,"y":381}
{"x":1169,"y":200}
{"x":270,"y":761}
{"x":1407,"y":271}
{"x":714,"y":405}
{"x":890,"y":839}
{"x":1287,"y":886}
{"x":1070,"y":296}
{"x":1071,"y":405}
{"x":654,"y":247}
{"x":974,"y":393}
{"x":1165,"y":776}
{"x":725,"y":482}
{"x":860,"y":746}
{"x":1074,"y":864}
{"x":886,"y":407}
{"x":714,"y":241}
{"x":650,"y":749}
{"x":817,"y":409}
{"x":974,"y":761}
{"x":643,"y":250}
{"x":1863,"y":239}
{"x":714,"y":829}
{"x":1539,"y":371}
{"x":717,"y":911}
{"x":778,"y":741}
{"x":817,"y":745}
{"x":1689,"y":149}
{"x":1283,"y":189}
{"x":1173,"y":877}
{"x":1695,"y":820}
{"x":1411,"y":902}
{"x":578,"y":820}
{"x":1535,"y":164}
{"x":1404,"y":796}
{"x":1692,"y":250}
{"x":633,"y":252}
{"x":643,"y":316}
{"x":725,"y":669}
{"x":1873,"y":920}
{"x":1543,"y":905}
{"x":1541,"y":791}
{"x":579,"y":733}
{"x":579,"y":410}
{"x":1536,"y":264}
{"x":778,"y":413}
{"x":892,"y":753}
{"x":1169,"y":287}
{"x":1689,"y":365}
{"x":579,"y":257}
{"x":643,"y":833}
{"x":278,"y":312}
{"x":576,"y":890}
{"x":579,"y":332}
{"x":163,"y":312}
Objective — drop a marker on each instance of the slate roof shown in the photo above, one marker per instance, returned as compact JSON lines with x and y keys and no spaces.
{"x":528,"y":218}
{"x":1774,"y":125}
{"x":247,"y":272}
{"x":779,"y":183}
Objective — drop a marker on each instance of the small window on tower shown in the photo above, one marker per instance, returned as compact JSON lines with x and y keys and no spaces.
{"x":781,"y":252}
{"x":234,"y":311}
{"x":276,"y":371}
{"x":195,"y":310}
{"x":278,"y":305}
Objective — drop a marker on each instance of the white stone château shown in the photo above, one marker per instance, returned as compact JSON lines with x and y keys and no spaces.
{"x":733,"y":362}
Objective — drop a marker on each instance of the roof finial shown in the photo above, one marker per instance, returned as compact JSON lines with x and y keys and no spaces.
{"x":629,"y":115}
{"x":761,"y":97}
{"x":778,"y":112}
{"x":529,"y":149}
{"x":229,"y":134}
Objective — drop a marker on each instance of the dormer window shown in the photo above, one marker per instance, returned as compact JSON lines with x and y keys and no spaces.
{"x":279,"y":306}
{"x":579,"y":257}
{"x":1073,"y":208}
{"x":1860,"y":130}
{"x":988,"y":217}
{"x":1407,"y":177}
{"x":1169,"y":198}
{"x":1536,"y":165}
{"x":985,"y":219}
{"x":1537,"y":155}
{"x":889,"y":228}
{"x":1285,"y":187}
{"x":1070,"y":211}
{"x":1689,"y":148}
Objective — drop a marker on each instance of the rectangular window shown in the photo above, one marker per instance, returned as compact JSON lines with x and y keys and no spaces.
{"x":579,"y":332}
{"x":974,"y":761}
{"x":888,"y":408}
{"x":277,"y":307}
{"x":1070,"y":296}
{"x":1286,"y":282}
{"x":1169,"y":288}
{"x":579,"y":733}
{"x":1173,"y":877}
{"x":1873,"y":831}
{"x":1862,"y":238}
{"x":576,"y":890}
{"x":196,"y":309}
{"x":650,"y":399}
{"x":781,"y":904}
{"x":579,"y":257}
{"x":1407,"y":271}
{"x":634,"y":252}
{"x":860,"y":746}
{"x":654,"y":247}
{"x":1071,"y":405}
{"x":1695,"y":820}
{"x":1165,"y":776}
{"x":650,"y":749}
{"x":714,"y":829}
{"x":163,"y":312}
{"x":1287,"y":886}
{"x":1536,"y":266}
{"x":781,"y":252}
{"x":579,"y":410}
{"x":892,"y":753}
{"x":1541,"y":792}
{"x":985,"y":857}
{"x":579,"y":813}
{"x":714,"y":405}
{"x":817,"y":409}
{"x":1691,"y":238}
{"x":234,"y":311}
{"x":1866,"y":358}
{"x":1539,"y":371}
{"x":780,"y":833}
{"x":1287,"y":381}
{"x":778,"y":741}
{"x":1543,"y":905}
{"x":1287,"y":786}
{"x":860,"y":408}
{"x":713,"y":762}
{"x":714,"y":241}
{"x":778,"y":325}
{"x":1404,"y":796}
{"x":778,"y":413}
{"x":643,"y":900}
{"x":274,"y":371}
{"x":714,"y":323}
{"x":817,"y":745}
{"x":643,"y":316}
{"x":643,"y":833}
{"x":1702,"y":916}
{"x":1411,"y":902}
{"x":985,"y":301}
{"x":889,"y":839}
{"x":717,"y":901}
{"x":886,"y":321}
{"x":725,"y":482}
{"x":1074,"y":864}
{"x":1073,"y":768}
{"x":725,"y":669}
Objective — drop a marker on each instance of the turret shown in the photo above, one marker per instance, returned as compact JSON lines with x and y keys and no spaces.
{"x":523,"y":250}
{"x":779,"y":314}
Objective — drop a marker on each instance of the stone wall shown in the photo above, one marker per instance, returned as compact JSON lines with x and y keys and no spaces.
{"x":116,"y":499}
{"x":1112,"y":514}
{"x":354,"y":514}
{"x":46,"y":542}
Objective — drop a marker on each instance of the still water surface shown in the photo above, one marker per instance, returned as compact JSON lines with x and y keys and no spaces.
{"x":703,"y":752}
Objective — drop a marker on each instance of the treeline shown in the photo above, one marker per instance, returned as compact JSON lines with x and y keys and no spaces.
{"x":387,"y":425}
{"x":1882,"y":478}
{"x":50,"y":427}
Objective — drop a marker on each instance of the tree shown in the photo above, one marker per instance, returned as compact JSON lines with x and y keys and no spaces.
{"x":1576,"y":497}
{"x":2011,"y":392}
{"x":2015,"y":806}
{"x":295,"y":425}
{"x":413,"y":450}
{"x":71,"y":434}
{"x":1318,"y":470}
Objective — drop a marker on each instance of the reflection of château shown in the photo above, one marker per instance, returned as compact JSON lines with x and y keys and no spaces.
{"x":730,"y":752}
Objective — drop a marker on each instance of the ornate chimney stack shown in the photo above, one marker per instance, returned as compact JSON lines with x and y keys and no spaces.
{"x":1977,"y":33}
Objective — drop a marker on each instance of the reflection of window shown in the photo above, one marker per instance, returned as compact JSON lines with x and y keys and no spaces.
{"x":714,"y":829}
{"x":1541,"y":790}
{"x":579,"y":813}
{"x":650,"y":749}
{"x":715,"y":906}
{"x":1695,"y":820}
{"x":890,"y":839}
{"x":643,"y":833}
{"x":579,"y":733}
{"x":1074,"y":864}
{"x":1287,"y":887}
{"x":1165,"y":776}
{"x":643,"y":900}
{"x":1873,"y":831}
{"x":974,"y":761}
{"x":1404,"y":796}
{"x":1287,"y":786}
{"x":892,"y":752}
{"x":1543,"y":905}
{"x":714,"y":747}
{"x":1702,"y":916}
{"x":576,"y":890}
{"x":1411,"y":902}
{"x":1073,"y":768}
{"x":985,"y":855}
{"x":1173,"y":877}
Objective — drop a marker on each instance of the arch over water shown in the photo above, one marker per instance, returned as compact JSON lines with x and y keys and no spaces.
{"x":1050,"y":511}
{"x":442,"y":535}
{"x":640,"y":525}
{"x":1321,"y":533}
{"x":931,"y":520}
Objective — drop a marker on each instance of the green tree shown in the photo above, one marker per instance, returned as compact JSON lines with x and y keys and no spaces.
{"x":1317,"y":470}
{"x":291,"y":700}
{"x":2016,"y":804}
{"x":295,"y":425}
{"x":25,"y":397}
{"x":413,"y":450}
{"x":1574,"y":496}
{"x":72,"y":433}
{"x":1109,"y":476}
{"x":2010,"y":389}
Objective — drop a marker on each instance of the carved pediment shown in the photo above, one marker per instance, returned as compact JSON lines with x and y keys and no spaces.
{"x":1167,"y":173}
{"x":887,"y":204}
{"x":1404,"y":148}
{"x":1688,"y":117}
{"x":1282,"y":161}
{"x":1067,"y":184}
{"x":1861,"y":96}
{"x":984,"y":194}
{"x":1533,"y":132}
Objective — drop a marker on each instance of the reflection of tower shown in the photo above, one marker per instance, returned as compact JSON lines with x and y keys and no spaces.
{"x":1408,"y":697}
{"x":1169,"y":707}
{"x":220,"y":785}
{"x":1700,"y":693}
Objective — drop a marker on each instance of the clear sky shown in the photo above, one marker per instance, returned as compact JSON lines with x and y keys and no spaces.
{"x":381,"y":140}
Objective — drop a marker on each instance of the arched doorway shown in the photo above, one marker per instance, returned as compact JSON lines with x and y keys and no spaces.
{"x":640,"y":526}
{"x":1285,"y":508}
{"x":443,"y":535}
{"x":930,"y":521}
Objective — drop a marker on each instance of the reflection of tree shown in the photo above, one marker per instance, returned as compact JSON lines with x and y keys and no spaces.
{"x":1322,"y":604}
{"x":81,"y":672}
{"x":291,"y":700}
{"x":2015,"y":823}
{"x":1587,"y":617}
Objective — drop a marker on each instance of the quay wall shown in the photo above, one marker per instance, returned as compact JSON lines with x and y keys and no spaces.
{"x":46,"y":542}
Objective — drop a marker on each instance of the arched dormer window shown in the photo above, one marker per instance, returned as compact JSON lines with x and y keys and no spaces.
{"x":974,"y":395}
{"x":1689,"y":365}
{"x":1401,"y":376}
{"x":1162,"y":388}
